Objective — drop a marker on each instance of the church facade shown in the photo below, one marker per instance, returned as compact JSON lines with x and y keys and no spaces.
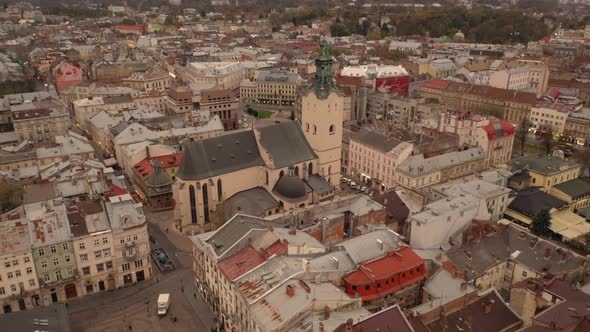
{"x":275,"y":167}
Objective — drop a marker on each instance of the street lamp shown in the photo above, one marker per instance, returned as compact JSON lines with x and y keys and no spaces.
{"x":147,"y":305}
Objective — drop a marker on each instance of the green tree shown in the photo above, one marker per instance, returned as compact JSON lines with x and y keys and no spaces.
{"x":339,"y":30}
{"x":542,"y":223}
{"x":10,"y":196}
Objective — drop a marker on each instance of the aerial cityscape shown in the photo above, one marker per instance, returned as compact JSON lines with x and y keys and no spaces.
{"x":297,"y":166}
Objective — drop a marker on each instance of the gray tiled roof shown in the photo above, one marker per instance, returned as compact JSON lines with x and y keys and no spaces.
{"x":574,"y":187}
{"x":541,"y":164}
{"x":253,"y":202}
{"x":375,"y":140}
{"x":219,"y":155}
{"x":531,"y":201}
{"x":233,"y":230}
{"x":508,"y":244}
{"x":285,"y":144}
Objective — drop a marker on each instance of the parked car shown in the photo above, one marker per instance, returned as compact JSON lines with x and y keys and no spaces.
{"x":363,"y":188}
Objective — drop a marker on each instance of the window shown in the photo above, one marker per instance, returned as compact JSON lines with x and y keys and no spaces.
{"x":27,"y":259}
{"x":46,"y":277}
{"x":105,"y":240}
{"x":100,"y":267}
{"x":53,"y":249}
{"x":368,"y":287}
{"x":108,"y":265}
{"x":56,"y":261}
{"x":9,"y":275}
{"x":65,"y":246}
{"x":44,"y":264}
{"x":96,"y":242}
{"x":106,"y":252}
{"x":32,"y":282}
{"x":68,"y":259}
{"x":86,"y":270}
{"x":82,"y":245}
{"x":125,"y":267}
{"x":29,"y":270}
{"x":139,"y":263}
{"x":524,"y":274}
{"x":15,"y":263}
{"x":134,"y":237}
{"x":7,"y":264}
{"x":332,"y":129}
{"x":17,"y":273}
{"x":2,"y":291}
{"x":57,"y":275}
{"x":98,"y":254}
{"x":41,"y":252}
{"x":13,"y":288}
{"x":84,"y":257}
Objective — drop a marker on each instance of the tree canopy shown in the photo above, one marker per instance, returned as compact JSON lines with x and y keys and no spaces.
{"x":542,"y":223}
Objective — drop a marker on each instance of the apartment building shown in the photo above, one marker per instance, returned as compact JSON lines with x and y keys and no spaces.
{"x":384,"y":78}
{"x":277,"y":87}
{"x":496,"y":197}
{"x":223,"y":103}
{"x":577,"y":126}
{"x":92,"y":240}
{"x":85,"y":108}
{"x":513,"y":106}
{"x":131,"y":256}
{"x":148,"y":81}
{"x":11,"y":100}
{"x":53,"y":250}
{"x":532,"y":79}
{"x":19,"y":286}
{"x":547,"y":116}
{"x":463,"y":124}
{"x":374,"y":157}
{"x":497,"y":141}
{"x":179,"y":100}
{"x":224,"y":75}
{"x":544,"y":171}
{"x":418,"y":173}
{"x":507,"y":255}
{"x":440,"y":223}
{"x":39,"y":121}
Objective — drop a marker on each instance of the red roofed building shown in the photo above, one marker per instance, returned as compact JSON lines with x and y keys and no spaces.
{"x":395,"y":278}
{"x":248,"y":258}
{"x":153,"y":179}
{"x":496,"y":139}
{"x":133,"y":29}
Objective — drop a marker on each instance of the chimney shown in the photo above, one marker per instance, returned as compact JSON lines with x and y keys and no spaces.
{"x":290,"y":291}
{"x":327,"y":312}
{"x":487,"y":306}
{"x":336,"y":261}
{"x":349,"y":322}
{"x":380,"y":244}
{"x":322,"y":327}
{"x":547,"y":253}
{"x":463,"y":286}
{"x":522,"y":236}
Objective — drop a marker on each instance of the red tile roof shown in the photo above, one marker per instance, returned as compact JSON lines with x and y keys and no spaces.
{"x":130,"y":27}
{"x":277,"y":248}
{"x":507,"y":129}
{"x":482,"y":91}
{"x":395,"y":262}
{"x":117,"y":191}
{"x":145,"y":168}
{"x":241,"y":262}
{"x":438,"y":84}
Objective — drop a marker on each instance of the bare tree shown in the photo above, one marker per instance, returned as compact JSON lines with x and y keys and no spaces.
{"x":548,"y":141}
{"x":582,"y":156}
{"x":522,"y":133}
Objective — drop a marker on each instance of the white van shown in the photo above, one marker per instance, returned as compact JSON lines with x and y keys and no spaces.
{"x":163,"y":304}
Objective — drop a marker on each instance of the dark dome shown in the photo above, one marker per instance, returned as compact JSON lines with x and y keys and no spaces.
{"x":290,"y":186}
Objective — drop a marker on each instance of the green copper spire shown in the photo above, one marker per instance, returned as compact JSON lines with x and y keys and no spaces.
{"x":323,"y":84}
